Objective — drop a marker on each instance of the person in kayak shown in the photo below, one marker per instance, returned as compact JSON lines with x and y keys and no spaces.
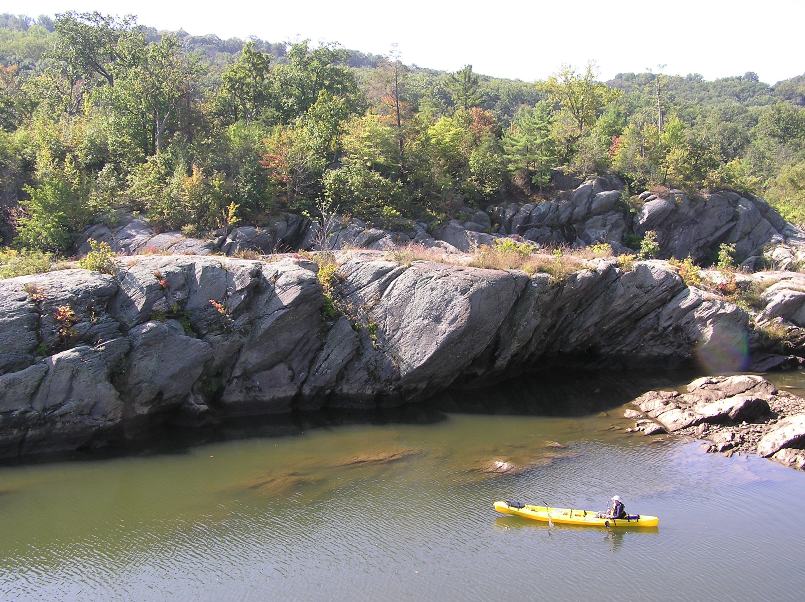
{"x":617,"y":509}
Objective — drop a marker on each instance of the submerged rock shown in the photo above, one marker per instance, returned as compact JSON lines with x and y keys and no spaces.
{"x":378,"y":458}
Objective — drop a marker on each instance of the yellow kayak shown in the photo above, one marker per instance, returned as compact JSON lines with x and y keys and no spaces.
{"x":568,"y":516}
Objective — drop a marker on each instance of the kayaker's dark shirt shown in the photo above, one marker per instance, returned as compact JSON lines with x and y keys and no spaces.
{"x":618,"y":510}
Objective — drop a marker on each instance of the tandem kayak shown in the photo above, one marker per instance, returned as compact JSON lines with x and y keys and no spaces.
{"x":569,"y":516}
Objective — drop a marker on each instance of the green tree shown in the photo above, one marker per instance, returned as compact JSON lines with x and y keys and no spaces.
{"x":579,"y":96}
{"x":156,"y":90}
{"x":297,"y":84}
{"x":245,"y":92}
{"x":528,"y":145}
{"x":88,"y":43}
{"x":464,"y":88}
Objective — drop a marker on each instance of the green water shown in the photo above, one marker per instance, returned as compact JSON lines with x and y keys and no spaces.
{"x":401,"y":510}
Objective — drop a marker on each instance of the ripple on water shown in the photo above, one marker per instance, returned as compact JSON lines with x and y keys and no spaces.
{"x":402,"y":512}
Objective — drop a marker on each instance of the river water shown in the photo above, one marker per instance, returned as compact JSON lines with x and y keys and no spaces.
{"x":399,"y":507}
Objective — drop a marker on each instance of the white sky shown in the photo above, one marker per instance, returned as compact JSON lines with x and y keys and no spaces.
{"x":507,"y":38}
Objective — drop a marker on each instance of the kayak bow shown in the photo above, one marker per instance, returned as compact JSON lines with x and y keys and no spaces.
{"x":569,"y":516}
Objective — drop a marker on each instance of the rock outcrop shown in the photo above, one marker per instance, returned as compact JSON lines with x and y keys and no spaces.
{"x":136,"y":236}
{"x":745,"y":414}
{"x":696,"y":226}
{"x":593,"y":212}
{"x":87,"y":359}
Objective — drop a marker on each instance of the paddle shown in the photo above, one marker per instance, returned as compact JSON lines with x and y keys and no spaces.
{"x":550,"y":522}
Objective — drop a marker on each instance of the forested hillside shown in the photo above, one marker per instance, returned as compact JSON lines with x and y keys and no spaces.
{"x":99,"y":114}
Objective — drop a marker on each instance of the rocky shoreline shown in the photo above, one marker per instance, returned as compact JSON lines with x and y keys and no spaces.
{"x":743,"y":414}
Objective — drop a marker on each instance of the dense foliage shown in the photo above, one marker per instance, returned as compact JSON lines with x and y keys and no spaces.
{"x":99,"y":114}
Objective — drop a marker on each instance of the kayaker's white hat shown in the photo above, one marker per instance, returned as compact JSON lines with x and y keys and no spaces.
{"x":616,"y":498}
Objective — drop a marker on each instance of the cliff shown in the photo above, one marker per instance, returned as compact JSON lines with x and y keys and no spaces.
{"x":88,"y":358}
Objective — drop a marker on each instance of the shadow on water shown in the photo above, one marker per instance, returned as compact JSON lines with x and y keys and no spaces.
{"x":556,"y":394}
{"x":559,"y":394}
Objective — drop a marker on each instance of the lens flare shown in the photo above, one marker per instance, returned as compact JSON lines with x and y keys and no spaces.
{"x":723,"y":348}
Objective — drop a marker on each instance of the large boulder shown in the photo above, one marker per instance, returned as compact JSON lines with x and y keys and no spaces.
{"x":789,"y":432}
{"x":456,"y":235}
{"x":786,"y":300}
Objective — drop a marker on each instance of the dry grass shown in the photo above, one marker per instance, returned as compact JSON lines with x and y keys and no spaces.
{"x":247,"y":254}
{"x":415,"y":252}
{"x":506,"y":254}
{"x":774,"y":336}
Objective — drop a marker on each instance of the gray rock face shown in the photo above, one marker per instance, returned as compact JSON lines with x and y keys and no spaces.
{"x":170,"y":334}
{"x":63,"y":402}
{"x":161,"y":367}
{"x":789,"y":432}
{"x":28,"y":306}
{"x":591,"y":214}
{"x":696,"y":227}
{"x":137,"y":237}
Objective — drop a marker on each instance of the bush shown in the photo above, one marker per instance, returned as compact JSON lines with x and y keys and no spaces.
{"x":601,"y":249}
{"x":688,"y":271}
{"x":100,"y":259}
{"x":626,"y":262}
{"x":327,"y":276}
{"x":55,"y":210}
{"x":364,"y":192}
{"x":509,"y":245}
{"x":649,"y":247}
{"x":172,"y":198}
{"x":726,"y":256}
{"x":24,"y":262}
{"x":735,"y":175}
